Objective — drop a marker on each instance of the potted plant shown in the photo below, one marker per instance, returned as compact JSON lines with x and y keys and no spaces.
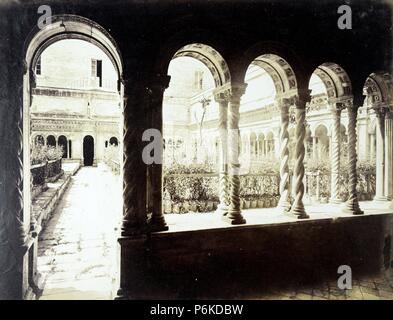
{"x":254,"y":200}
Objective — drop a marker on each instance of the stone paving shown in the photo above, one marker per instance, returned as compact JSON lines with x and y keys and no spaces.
{"x":371,"y":288}
{"x":78,"y":249}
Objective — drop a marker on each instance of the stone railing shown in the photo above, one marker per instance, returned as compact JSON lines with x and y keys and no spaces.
{"x":198,"y":192}
{"x":317,"y":185}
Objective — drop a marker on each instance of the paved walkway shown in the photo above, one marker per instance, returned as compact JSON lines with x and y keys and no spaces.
{"x":78,"y":250}
{"x":369,"y":288}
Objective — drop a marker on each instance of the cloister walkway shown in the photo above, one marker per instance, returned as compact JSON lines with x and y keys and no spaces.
{"x":77,"y":255}
{"x":77,"y":249}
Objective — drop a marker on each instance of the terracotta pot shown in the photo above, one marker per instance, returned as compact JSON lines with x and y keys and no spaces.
{"x":193,"y":206}
{"x":260,"y":203}
{"x":210,"y":206}
{"x":176,"y":208}
{"x":247,"y":204}
{"x":253,"y":204}
{"x":186,"y":206}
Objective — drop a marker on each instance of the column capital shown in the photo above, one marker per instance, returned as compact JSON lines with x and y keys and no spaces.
{"x":341,"y":103}
{"x":222,"y":94}
{"x":380,"y":109}
{"x":229,"y":92}
{"x":389,"y":114}
{"x":237,"y":90}
{"x":158,"y":84}
{"x":303,"y":96}
{"x":297,"y":99}
{"x":285,"y":101}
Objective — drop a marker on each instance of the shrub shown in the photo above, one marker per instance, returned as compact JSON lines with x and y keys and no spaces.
{"x":42,"y":154}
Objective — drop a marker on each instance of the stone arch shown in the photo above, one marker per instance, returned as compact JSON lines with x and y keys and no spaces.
{"x":253,"y":143}
{"x":63,"y":142}
{"x":211,"y":58}
{"x":322,"y":135}
{"x":71,"y":27}
{"x":280,"y":71}
{"x":38,"y":139}
{"x":319,"y":125}
{"x":62,"y":27}
{"x":336,"y":81}
{"x":114,"y":141}
{"x":378,"y":88}
{"x":51,"y":140}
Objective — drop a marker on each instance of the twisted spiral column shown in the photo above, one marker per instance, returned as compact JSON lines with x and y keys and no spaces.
{"x":134,"y":180}
{"x":156,"y":92}
{"x":284,"y":201}
{"x":222,"y":99}
{"x":300,"y":133}
{"x":336,"y":154}
{"x":13,"y":235}
{"x":234,"y":215}
{"x":352,"y":204}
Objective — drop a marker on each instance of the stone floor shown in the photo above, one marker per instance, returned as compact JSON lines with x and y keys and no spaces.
{"x":375,"y":288}
{"x":77,"y":250}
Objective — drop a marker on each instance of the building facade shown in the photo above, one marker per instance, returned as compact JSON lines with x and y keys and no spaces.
{"x":77,"y":107}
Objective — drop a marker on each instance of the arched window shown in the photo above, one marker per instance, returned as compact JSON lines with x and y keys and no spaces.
{"x":62,"y":142}
{"x":39,"y":140}
{"x":51,"y":141}
{"x":113,"y":141}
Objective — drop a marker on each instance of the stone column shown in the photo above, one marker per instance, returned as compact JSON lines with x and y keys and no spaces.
{"x":335,"y":109}
{"x":389,"y":155}
{"x":298,"y":174}
{"x":222,"y":99}
{"x":156,"y":95}
{"x":314,"y":148}
{"x":380,"y":154}
{"x":249,"y":149}
{"x":234,"y":215}
{"x":372,"y":146}
{"x":135,"y":172}
{"x":352,"y":204}
{"x":284,"y":201}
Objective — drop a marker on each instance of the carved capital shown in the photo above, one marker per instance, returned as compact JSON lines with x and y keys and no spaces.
{"x":222,"y":94}
{"x":337,"y":107}
{"x":380,"y":110}
{"x":237,"y":90}
{"x":389,"y":114}
{"x":286,"y":102}
{"x":158,"y":84}
{"x":303,"y":97}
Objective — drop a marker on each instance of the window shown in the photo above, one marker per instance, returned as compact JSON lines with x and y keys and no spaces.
{"x":38,"y":66}
{"x":93,"y":67}
{"x":96,"y":70}
{"x":198,"y":80}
